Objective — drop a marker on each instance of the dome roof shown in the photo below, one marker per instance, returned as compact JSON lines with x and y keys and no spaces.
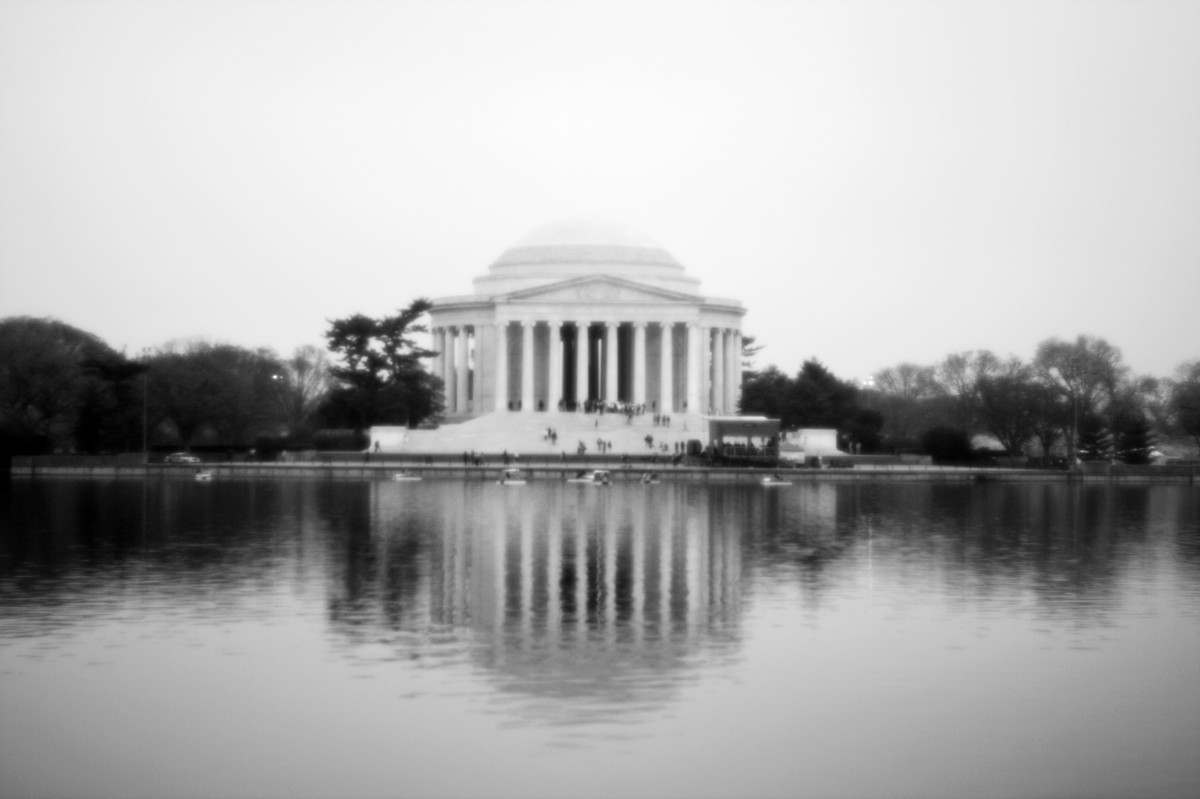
{"x":569,"y":248}
{"x":586,"y":241}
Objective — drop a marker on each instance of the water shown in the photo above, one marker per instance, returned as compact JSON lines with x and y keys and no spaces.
{"x":271,"y":638}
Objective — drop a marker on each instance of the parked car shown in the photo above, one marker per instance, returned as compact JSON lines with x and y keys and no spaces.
{"x":182,"y":457}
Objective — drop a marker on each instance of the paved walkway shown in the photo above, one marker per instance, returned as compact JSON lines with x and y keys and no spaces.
{"x":525,"y":433}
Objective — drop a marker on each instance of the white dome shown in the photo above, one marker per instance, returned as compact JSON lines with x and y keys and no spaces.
{"x":569,"y":248}
{"x":584,"y":232}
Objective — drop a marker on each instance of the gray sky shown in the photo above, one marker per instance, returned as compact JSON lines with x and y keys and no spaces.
{"x":877,"y":182}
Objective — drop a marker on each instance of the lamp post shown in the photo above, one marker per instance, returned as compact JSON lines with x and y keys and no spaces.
{"x":279,"y":385}
{"x":145,"y":404}
{"x":1074,"y":363}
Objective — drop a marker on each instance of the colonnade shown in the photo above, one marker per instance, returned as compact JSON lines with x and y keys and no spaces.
{"x":531,"y":365}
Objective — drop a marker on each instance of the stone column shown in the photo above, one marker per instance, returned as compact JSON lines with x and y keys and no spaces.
{"x":737,"y":370}
{"x":527,"y":366}
{"x":443,"y":368}
{"x":554,"y":370}
{"x":639,"y":363}
{"x":666,"y":400}
{"x":610,"y":361}
{"x":461,"y":384}
{"x":705,"y":359}
{"x":448,"y":367}
{"x":718,"y":370}
{"x":435,"y":344}
{"x":705,"y":367}
{"x":502,"y":366}
{"x":695,"y":368}
{"x":581,"y":362}
{"x":733,"y":371}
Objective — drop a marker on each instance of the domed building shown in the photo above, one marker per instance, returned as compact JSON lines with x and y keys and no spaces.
{"x":580,"y":312}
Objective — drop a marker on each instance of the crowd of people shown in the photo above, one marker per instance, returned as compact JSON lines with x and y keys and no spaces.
{"x":626,"y":409}
{"x":672,"y":451}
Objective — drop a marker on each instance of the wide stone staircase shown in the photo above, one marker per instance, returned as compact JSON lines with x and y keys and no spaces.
{"x":526,"y":434}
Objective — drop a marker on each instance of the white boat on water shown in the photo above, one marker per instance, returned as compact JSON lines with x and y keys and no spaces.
{"x":599,"y":477}
{"x":775,"y":480}
{"x":650,"y":478}
{"x":511,"y":477}
{"x":203,"y":476}
{"x":406,"y":477}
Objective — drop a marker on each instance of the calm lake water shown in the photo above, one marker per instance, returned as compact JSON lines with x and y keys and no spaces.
{"x":291,"y":639}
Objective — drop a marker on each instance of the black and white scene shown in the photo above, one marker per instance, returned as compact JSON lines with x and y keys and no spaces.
{"x":530,"y":399}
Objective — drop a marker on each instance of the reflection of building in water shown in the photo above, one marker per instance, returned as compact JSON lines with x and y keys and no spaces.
{"x":566,"y":586}
{"x":590,"y":582}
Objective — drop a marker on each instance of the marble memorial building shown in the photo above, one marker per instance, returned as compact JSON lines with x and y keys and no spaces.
{"x":579,"y":311}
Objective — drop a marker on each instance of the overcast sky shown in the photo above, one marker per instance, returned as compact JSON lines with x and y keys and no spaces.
{"x":876,"y":182}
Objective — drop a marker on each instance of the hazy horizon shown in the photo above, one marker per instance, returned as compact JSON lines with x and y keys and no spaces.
{"x":876,"y":183}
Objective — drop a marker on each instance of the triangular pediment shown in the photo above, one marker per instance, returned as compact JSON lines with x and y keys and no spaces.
{"x":598,"y":289}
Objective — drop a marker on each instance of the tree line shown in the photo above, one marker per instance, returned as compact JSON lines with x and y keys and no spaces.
{"x":63,"y":389}
{"x":1071,"y":397}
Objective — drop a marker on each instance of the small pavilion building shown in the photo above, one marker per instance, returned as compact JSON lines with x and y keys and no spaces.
{"x":580,"y":313}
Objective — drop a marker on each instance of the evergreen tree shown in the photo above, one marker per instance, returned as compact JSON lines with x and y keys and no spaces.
{"x":814,"y":398}
{"x":765,"y":392}
{"x":1095,"y":444}
{"x":383,"y":381}
{"x":1135,"y":439}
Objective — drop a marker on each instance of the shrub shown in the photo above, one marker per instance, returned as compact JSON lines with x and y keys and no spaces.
{"x":340,"y":440}
{"x":947,"y":444}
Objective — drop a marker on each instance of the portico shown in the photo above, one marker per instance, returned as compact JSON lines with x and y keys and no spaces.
{"x":580,"y":313}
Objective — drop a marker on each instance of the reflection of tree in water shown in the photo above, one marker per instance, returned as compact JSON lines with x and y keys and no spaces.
{"x":1066,"y":546}
{"x":808,"y":526}
{"x":203,"y":550}
{"x":557,"y":590}
{"x":380,"y":573}
{"x":1184,"y":518}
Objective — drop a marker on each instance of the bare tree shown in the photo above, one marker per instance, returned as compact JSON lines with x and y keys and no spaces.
{"x":1154,"y":395}
{"x":218,"y":389}
{"x":1088,"y":373}
{"x":1006,"y":403}
{"x":959,"y":377}
{"x":301,"y":386}
{"x":904,"y":391}
{"x":1185,"y":399}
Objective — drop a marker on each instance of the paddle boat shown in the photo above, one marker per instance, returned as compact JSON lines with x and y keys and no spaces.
{"x":406,"y":477}
{"x":650,"y":478}
{"x":203,"y":476}
{"x":599,"y":477}
{"x":511,"y":477}
{"x":775,"y":480}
